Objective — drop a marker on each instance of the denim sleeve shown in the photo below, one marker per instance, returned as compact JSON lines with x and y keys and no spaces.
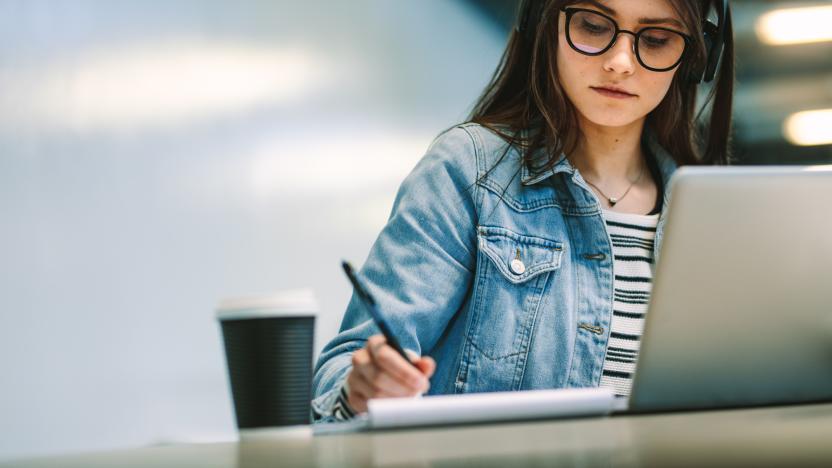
{"x":420,"y":266}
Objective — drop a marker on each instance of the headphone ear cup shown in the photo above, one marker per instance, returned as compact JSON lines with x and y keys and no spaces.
{"x":714,"y":47}
{"x":709,"y":42}
{"x":714,"y":37}
{"x":706,"y":69}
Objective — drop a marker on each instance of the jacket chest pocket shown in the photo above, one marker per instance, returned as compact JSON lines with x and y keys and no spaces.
{"x":513,"y":275}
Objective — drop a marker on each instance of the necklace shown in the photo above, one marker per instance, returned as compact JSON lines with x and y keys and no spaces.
{"x":614,"y":200}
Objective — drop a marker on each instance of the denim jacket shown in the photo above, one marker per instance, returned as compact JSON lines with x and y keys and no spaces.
{"x":490,"y":278}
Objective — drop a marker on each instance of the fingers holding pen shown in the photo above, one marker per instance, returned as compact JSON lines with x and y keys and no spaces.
{"x":378,"y":371}
{"x":376,"y":383}
{"x":392,"y":363}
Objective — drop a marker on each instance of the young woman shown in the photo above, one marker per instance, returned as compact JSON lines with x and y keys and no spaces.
{"x":519,"y":252}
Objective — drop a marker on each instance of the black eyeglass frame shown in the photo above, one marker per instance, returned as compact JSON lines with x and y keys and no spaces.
{"x":570,"y":12}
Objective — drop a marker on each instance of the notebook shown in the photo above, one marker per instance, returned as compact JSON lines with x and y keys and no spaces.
{"x":439,"y":410}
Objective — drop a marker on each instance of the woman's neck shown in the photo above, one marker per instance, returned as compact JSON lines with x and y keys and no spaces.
{"x":609,"y":156}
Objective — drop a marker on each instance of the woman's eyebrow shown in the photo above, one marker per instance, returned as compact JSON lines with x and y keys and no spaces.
{"x":606,"y":9}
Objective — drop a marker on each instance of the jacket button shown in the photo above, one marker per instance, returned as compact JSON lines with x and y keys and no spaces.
{"x":517,"y":266}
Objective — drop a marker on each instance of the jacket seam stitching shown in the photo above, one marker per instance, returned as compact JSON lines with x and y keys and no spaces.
{"x":520,"y":371}
{"x":571,"y":363}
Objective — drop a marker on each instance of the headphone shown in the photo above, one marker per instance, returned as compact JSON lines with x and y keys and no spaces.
{"x":714,"y":33}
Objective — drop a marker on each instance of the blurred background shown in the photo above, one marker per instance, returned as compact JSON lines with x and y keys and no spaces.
{"x":157,"y":156}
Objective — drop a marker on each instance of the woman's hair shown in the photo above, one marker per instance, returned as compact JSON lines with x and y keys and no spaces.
{"x":526,"y":105}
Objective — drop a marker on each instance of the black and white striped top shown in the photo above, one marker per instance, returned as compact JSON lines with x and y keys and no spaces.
{"x":632,"y":238}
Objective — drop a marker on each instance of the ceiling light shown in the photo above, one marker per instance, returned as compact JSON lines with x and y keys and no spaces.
{"x":795,"y":26}
{"x":809,"y":128}
{"x":172,"y":83}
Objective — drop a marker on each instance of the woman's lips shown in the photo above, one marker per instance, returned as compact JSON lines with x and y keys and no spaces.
{"x":613,"y":93}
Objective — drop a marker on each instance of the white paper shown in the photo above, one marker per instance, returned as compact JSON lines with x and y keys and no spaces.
{"x":485,"y":407}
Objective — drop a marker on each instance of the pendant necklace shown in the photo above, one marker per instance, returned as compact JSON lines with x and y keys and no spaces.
{"x":614,"y":200}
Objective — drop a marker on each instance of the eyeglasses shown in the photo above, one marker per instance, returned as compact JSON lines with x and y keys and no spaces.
{"x":592,"y":33}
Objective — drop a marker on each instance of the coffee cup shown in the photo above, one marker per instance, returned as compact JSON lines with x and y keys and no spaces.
{"x":268,"y":347}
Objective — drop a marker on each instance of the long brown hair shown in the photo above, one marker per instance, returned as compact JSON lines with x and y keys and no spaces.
{"x":525,"y":104}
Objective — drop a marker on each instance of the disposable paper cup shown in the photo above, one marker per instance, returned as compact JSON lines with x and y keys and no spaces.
{"x":268,"y":349}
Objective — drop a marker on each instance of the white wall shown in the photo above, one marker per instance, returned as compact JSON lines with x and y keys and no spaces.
{"x":156,"y":156}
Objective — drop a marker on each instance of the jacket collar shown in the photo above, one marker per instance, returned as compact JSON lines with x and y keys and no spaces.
{"x":666,"y":163}
{"x":529,"y":178}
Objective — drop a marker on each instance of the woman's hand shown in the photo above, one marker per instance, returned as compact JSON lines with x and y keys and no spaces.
{"x":378,"y":371}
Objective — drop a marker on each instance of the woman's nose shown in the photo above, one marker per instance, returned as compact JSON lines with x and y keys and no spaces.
{"x":621,"y":57}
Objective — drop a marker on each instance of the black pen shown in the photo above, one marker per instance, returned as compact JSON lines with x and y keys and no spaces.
{"x":370,"y":305}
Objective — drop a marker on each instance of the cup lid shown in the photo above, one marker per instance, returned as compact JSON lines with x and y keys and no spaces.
{"x":288,"y":303}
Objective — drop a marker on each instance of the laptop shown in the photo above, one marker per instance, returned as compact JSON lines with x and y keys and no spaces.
{"x":740,"y":312}
{"x":741,"y":308}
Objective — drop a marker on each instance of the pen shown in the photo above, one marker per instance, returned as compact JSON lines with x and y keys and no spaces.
{"x":370,"y":305}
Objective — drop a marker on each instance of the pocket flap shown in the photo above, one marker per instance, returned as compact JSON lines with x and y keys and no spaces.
{"x":519,"y":257}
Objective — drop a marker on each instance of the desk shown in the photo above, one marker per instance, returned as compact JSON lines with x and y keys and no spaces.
{"x":782,"y":436}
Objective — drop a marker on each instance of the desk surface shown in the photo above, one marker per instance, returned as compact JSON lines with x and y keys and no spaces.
{"x":782,"y":436}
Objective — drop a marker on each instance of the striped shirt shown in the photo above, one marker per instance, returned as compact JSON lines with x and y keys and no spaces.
{"x":632,"y":238}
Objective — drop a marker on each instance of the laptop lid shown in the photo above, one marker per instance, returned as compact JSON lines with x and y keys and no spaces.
{"x":741,"y":308}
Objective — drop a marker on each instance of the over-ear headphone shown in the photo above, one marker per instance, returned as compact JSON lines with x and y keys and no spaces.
{"x":714,"y":33}
{"x":715,"y":38}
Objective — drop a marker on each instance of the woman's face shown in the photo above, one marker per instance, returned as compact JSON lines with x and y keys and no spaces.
{"x":583,"y":77}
